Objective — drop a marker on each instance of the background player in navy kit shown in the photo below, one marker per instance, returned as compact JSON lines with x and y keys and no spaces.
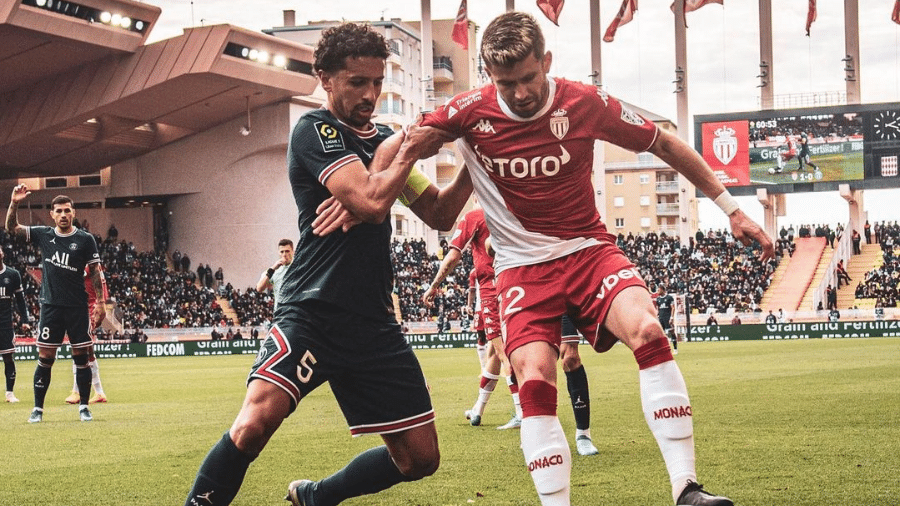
{"x":10,"y":288}
{"x":334,"y":322}
{"x":664,"y":302}
{"x":577,"y":385}
{"x":65,"y":252}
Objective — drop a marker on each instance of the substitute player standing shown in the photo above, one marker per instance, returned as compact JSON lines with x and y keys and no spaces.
{"x":528,"y":143}
{"x":65,"y":251}
{"x":274,"y":276}
{"x":10,"y":288}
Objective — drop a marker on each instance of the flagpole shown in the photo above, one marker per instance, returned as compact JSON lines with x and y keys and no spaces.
{"x":766,"y":59}
{"x":851,"y":43}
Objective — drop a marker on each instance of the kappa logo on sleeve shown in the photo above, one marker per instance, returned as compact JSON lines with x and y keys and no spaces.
{"x":330,"y":137}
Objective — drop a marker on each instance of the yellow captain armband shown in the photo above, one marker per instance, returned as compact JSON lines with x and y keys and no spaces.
{"x":416,"y":184}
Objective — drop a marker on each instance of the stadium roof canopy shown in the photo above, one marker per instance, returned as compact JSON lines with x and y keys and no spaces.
{"x":81,"y":90}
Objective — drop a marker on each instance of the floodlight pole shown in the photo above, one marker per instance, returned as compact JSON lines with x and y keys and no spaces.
{"x":687,"y":191}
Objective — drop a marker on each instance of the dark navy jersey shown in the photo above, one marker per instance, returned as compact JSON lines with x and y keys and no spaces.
{"x":350,"y":270}
{"x":664,"y":304}
{"x":10,"y":287}
{"x":64,"y":258}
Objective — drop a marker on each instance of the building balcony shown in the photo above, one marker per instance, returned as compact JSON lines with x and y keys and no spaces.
{"x":667,"y":209}
{"x":392,"y":86}
{"x":667,"y":187}
{"x":443,"y":69}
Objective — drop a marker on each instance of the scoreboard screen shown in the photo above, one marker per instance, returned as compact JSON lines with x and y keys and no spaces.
{"x":822,"y":146}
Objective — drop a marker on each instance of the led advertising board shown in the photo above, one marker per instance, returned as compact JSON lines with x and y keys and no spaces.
{"x":803,"y":149}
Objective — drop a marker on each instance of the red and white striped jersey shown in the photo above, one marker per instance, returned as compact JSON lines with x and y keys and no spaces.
{"x":532,"y":175}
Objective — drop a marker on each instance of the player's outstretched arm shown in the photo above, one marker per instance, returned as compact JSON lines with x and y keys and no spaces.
{"x":450,"y":262}
{"x":440,"y":207}
{"x":19,"y":193}
{"x":369,"y":193}
{"x":688,"y":162}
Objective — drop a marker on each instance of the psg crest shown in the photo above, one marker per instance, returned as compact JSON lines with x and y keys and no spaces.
{"x":725,"y":145}
{"x":559,"y":124}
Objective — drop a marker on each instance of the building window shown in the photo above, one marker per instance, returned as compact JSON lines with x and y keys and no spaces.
{"x":645,"y":178}
{"x":620,"y":222}
{"x":93,"y":180}
{"x":618,"y":179}
{"x":645,"y":222}
{"x":55,"y":182}
{"x":619,"y":201}
{"x":645,"y":200}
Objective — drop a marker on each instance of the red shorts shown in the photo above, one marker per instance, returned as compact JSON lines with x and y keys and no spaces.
{"x":489,"y":319}
{"x":582,"y":285}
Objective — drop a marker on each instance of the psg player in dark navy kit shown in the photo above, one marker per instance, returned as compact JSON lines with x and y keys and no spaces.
{"x":65,"y":252}
{"x":10,"y":288}
{"x":335,"y":321}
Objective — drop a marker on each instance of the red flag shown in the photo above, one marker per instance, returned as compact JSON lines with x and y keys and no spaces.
{"x":810,"y":16}
{"x":895,"y":16}
{"x":692,"y":5}
{"x":551,"y":9}
{"x":625,"y":15}
{"x":461,"y":27}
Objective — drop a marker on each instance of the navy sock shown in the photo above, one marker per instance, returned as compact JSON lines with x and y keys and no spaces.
{"x":369,"y":472}
{"x":10,"y":371}
{"x":220,"y":476}
{"x":42,"y":380}
{"x":577,"y":383}
{"x":83,"y":377}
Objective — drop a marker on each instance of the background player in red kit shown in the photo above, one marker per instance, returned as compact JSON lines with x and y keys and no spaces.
{"x":473,"y":230}
{"x":99,"y":394}
{"x":528,"y":143}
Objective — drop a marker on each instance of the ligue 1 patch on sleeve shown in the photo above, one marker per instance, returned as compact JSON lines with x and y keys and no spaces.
{"x":330,"y":137}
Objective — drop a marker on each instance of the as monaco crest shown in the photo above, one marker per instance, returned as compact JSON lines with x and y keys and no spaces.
{"x":725,"y":145}
{"x":559,"y":123}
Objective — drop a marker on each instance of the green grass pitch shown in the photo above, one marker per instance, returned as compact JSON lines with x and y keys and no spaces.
{"x":799,"y":423}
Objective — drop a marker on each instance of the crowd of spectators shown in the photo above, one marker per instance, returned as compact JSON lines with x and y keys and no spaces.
{"x":720,"y":274}
{"x":882,"y":283}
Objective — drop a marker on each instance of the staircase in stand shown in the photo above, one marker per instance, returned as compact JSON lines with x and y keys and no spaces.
{"x":798,"y":274}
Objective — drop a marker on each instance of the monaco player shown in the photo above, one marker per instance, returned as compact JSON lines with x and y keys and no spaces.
{"x":99,"y":394}
{"x":786,"y":153}
{"x":528,"y":143}
{"x":472,"y":230}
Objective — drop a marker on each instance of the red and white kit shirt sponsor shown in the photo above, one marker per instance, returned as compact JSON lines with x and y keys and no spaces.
{"x":532,"y":175}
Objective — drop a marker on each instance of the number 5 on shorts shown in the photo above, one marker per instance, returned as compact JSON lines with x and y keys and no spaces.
{"x":305,"y":368}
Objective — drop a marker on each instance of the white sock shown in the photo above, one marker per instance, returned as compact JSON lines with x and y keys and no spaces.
{"x":515,"y":398}
{"x":484,"y":393}
{"x":548,"y":458}
{"x":482,"y":354}
{"x":585,"y":432}
{"x":670,"y":418}
{"x":74,"y":379}
{"x":95,"y":377}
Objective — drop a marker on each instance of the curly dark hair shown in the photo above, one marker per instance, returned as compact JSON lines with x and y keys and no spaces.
{"x":348,"y":40}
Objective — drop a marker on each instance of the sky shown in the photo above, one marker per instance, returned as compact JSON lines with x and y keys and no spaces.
{"x":638,"y":67}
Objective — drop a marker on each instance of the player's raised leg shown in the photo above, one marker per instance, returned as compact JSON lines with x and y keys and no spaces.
{"x":222,"y":472}
{"x":664,"y":395}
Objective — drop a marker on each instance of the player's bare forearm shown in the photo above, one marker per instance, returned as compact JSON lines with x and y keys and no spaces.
{"x":687,"y":162}
{"x":439,"y":208}
{"x":12,"y":220}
